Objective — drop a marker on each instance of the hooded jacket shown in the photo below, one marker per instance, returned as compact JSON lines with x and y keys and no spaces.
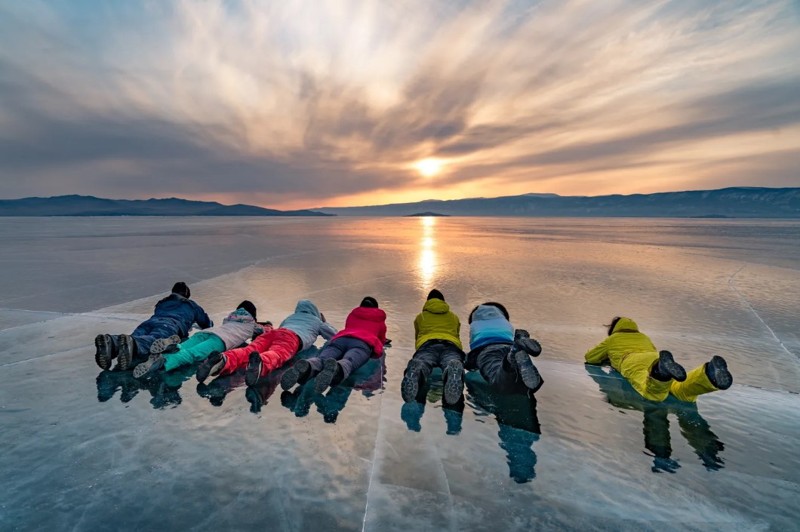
{"x":625,"y":338}
{"x":437,"y":322}
{"x":368,"y":325}
{"x":306,"y":322}
{"x":489,"y":326}
{"x":238,"y":327}
{"x":183,"y":311}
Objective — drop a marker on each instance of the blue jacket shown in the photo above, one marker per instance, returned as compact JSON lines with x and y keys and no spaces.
{"x":307,"y":323}
{"x":489,"y":326}
{"x":184,"y":312}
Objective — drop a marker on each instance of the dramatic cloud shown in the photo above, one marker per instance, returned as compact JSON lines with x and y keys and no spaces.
{"x":304,"y":103}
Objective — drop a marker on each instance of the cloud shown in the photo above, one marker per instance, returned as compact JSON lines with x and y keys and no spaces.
{"x":304,"y":103}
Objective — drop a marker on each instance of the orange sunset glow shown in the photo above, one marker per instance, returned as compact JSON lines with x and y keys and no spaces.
{"x":301,"y":104}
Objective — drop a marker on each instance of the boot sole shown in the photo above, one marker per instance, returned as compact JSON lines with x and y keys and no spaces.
{"x":147,"y":367}
{"x":527,"y":371}
{"x":530,"y":346}
{"x":102,"y":355}
{"x":668,"y":365}
{"x":453,"y":384}
{"x":162,"y":344}
{"x":325,"y":376}
{"x":124,"y":356}
{"x":409,"y":388}
{"x":722,"y":378}
{"x":253,"y":373}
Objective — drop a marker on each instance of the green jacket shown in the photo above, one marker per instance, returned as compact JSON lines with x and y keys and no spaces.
{"x":436,"y":322}
{"x":624,"y":339}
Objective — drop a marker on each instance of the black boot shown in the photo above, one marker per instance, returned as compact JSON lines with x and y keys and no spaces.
{"x":523,"y":340}
{"x":667,"y":369}
{"x":412,"y":382}
{"x":105,"y":351}
{"x":297,"y":374}
{"x":717,"y":372}
{"x":126,"y":353}
{"x":453,"y":376}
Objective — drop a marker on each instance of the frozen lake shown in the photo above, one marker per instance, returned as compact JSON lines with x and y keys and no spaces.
{"x":88,"y":450}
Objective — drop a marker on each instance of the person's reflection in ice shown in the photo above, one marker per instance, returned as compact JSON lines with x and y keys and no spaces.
{"x":432,"y":392}
{"x":368,"y":379}
{"x":517,"y":420}
{"x":657,"y":441}
{"x":217,"y":390}
{"x":163,"y":388}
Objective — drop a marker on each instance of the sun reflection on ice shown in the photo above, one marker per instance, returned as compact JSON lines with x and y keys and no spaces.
{"x":428,"y":259}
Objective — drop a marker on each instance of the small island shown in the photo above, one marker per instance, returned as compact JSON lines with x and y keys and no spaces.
{"x":427,"y":213}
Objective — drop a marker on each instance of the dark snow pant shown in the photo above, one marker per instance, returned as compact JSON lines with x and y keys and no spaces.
{"x":351,"y":353}
{"x":436,"y":354}
{"x":494,"y":367}
{"x":149,"y":331}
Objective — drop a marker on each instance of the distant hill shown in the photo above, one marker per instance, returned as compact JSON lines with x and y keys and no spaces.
{"x":427,"y":213}
{"x":739,"y":202}
{"x":92,"y":206}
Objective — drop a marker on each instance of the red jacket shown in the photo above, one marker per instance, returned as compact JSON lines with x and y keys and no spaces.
{"x":367,"y":324}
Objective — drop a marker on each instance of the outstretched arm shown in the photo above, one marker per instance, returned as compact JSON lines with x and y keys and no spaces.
{"x":200,"y":317}
{"x":598,"y":354}
{"x":326,"y":330}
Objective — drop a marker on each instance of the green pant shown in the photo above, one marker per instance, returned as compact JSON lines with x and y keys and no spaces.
{"x":196,"y":348}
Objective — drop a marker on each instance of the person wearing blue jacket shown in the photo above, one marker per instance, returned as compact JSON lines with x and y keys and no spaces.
{"x":500,"y":353}
{"x":170,"y":323}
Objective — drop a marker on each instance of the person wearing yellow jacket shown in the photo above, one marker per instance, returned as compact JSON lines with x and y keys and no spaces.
{"x":438,"y":344}
{"x":655,"y":374}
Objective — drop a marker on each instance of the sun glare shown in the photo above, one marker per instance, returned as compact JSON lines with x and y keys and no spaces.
{"x":428,"y":167}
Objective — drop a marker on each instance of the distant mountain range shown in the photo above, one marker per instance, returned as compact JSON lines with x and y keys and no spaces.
{"x":92,"y":206}
{"x":739,"y":202}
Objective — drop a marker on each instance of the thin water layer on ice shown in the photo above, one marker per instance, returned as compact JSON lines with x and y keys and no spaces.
{"x":86,"y":449}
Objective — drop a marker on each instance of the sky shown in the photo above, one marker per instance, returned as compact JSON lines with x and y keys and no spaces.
{"x":309,"y":103}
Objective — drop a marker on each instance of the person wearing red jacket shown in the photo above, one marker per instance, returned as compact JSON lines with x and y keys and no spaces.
{"x":363,"y":337}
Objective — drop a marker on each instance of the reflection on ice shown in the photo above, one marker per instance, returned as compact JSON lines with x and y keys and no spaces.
{"x":693,"y":426}
{"x":581,"y":456}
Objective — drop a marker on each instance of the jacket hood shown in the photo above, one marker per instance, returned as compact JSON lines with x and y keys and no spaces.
{"x":436,"y":306}
{"x":305,"y":306}
{"x":625,"y":325}
{"x":487,"y":312}
{"x":369,"y":314}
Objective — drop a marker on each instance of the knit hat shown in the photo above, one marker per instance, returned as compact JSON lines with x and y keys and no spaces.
{"x":370,"y":302}
{"x":249,"y":307}
{"x":491,"y":304}
{"x":435,"y":294}
{"x":180,"y":288}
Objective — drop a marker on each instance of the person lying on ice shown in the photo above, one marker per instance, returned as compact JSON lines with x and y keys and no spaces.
{"x":438,"y":345}
{"x":500,"y":353}
{"x":169,"y":324}
{"x":238,"y":327}
{"x":654,"y":374}
{"x":363,"y":337}
{"x":272,"y":349}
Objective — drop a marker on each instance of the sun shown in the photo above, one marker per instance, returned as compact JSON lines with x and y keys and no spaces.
{"x":428,"y":167}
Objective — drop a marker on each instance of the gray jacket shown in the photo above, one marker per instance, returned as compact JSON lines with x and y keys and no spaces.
{"x":238,"y":327}
{"x":307,"y":323}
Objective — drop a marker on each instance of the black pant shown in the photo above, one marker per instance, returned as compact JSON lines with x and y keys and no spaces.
{"x":436,"y":353}
{"x":493,"y":366}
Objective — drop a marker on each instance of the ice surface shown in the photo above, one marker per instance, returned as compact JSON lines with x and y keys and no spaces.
{"x":86,"y":450}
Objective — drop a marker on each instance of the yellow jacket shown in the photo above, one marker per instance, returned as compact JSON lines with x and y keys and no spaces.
{"x":624,"y":339}
{"x":437,"y":322}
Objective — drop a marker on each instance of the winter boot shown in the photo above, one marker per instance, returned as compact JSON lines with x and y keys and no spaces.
{"x":149,"y":367}
{"x":254,"y":368}
{"x":126,"y":353}
{"x":524,"y":341}
{"x":453,"y":376}
{"x":526,"y":371}
{"x":717,"y":372}
{"x":297,"y":374}
{"x":331,"y":375}
{"x":105,"y":350}
{"x":210,"y":366}
{"x":412,"y":382}
{"x":160,"y":345}
{"x":667,"y":369}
